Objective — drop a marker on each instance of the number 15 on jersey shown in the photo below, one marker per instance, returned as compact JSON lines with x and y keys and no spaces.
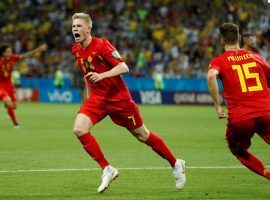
{"x":244,"y":74}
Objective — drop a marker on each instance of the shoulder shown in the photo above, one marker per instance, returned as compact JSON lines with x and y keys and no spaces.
{"x":259,"y":59}
{"x":75,"y":48}
{"x":100,"y":42}
{"x":256,"y":54}
{"x":217,"y":59}
{"x":215,"y":63}
{"x":104,"y":46}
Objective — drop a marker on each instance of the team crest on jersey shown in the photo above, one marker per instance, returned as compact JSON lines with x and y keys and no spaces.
{"x":87,"y":67}
{"x":116,"y":55}
{"x":86,"y":64}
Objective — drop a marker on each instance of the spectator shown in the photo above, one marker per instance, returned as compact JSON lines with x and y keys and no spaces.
{"x":164,"y":29}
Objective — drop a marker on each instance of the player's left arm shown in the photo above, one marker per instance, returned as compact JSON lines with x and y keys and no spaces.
{"x":41,"y":48}
{"x":88,"y":91}
{"x":214,"y":92}
{"x":119,"y":69}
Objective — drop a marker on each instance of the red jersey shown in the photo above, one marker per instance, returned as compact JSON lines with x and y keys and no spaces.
{"x":100,"y":56}
{"x":6,"y":67}
{"x":244,"y":77}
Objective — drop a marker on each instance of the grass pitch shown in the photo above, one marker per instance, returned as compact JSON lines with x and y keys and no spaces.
{"x":44,"y":160}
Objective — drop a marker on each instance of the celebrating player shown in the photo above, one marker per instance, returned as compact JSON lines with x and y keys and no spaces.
{"x":102,"y":66}
{"x":7,"y":58}
{"x":244,"y":77}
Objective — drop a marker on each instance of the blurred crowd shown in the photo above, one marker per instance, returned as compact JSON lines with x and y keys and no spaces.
{"x":174,"y":38}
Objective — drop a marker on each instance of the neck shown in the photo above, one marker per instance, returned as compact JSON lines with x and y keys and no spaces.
{"x":232,"y":47}
{"x":86,"y":42}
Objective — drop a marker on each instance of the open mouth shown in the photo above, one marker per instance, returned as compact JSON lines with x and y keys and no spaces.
{"x":77,"y":35}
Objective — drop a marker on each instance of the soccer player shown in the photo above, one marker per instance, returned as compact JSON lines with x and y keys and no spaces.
{"x":102,"y":66}
{"x":248,"y":42}
{"x":244,"y":77}
{"x":7,"y":58}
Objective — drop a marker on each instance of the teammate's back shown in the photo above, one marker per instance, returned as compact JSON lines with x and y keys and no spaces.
{"x":244,"y":78}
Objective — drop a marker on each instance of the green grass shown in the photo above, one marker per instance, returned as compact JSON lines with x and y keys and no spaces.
{"x":45,"y":141}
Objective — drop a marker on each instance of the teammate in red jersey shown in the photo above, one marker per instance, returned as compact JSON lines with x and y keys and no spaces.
{"x":244,"y":77}
{"x":7,"y":58}
{"x":102,"y":66}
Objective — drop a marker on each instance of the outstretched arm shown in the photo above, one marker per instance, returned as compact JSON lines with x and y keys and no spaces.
{"x":41,"y":48}
{"x":214,"y":92}
{"x":119,"y":69}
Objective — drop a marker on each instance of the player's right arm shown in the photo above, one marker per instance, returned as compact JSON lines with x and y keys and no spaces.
{"x":214,"y":92}
{"x":119,"y":69}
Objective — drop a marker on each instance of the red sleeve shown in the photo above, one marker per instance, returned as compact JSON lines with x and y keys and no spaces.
{"x":15,"y":57}
{"x":214,"y":64}
{"x":110,"y":54}
{"x":264,"y":64}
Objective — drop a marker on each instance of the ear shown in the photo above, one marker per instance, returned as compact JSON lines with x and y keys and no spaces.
{"x":222,"y":41}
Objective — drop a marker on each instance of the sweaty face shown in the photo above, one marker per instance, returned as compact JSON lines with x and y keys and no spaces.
{"x":7,"y":53}
{"x":80,"y":30}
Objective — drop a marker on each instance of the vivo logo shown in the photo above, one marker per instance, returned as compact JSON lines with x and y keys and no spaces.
{"x":63,"y":97}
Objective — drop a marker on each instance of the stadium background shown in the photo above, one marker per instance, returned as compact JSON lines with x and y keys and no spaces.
{"x":174,"y":39}
{"x":161,"y":41}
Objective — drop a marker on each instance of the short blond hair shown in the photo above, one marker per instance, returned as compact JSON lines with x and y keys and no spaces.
{"x":84,"y":16}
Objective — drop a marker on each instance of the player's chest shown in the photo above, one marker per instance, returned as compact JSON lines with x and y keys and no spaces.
{"x":90,"y":61}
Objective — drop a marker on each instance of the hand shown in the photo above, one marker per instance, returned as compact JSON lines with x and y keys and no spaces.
{"x":42,"y":47}
{"x":94,"y":77}
{"x":221,"y":113}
